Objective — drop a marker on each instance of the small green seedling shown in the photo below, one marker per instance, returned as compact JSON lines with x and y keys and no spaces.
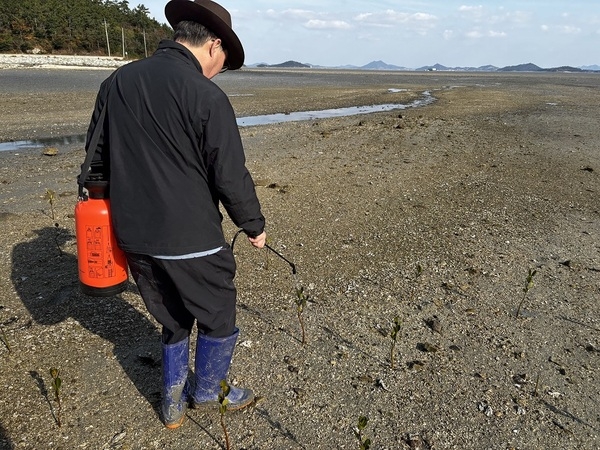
{"x":301,"y":299}
{"x":56,"y":385}
{"x":4,"y":339}
{"x":50,"y":197}
{"x":419,"y":271}
{"x":364,"y":443}
{"x":413,"y":291}
{"x":528,"y":286}
{"x":394,"y":336}
{"x":537,"y":385}
{"x":3,"y":336}
{"x":223,"y":402}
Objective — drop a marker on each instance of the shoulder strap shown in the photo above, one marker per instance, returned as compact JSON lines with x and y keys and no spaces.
{"x":93,"y":144}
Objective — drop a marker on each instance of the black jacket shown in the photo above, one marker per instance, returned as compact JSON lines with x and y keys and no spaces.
{"x":172,"y":150}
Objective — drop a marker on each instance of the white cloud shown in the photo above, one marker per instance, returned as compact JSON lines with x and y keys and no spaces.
{"x":479,"y":34}
{"x":308,"y":19}
{"x":363,"y":17}
{"x":569,"y":29}
{"x":291,"y":14}
{"x":475,"y":34}
{"x":480,"y":15}
{"x":470,"y":8}
{"x":518,"y":17}
{"x":475,"y":13}
{"x":327,"y":24}
{"x":561,"y":29}
{"x":390,"y":18}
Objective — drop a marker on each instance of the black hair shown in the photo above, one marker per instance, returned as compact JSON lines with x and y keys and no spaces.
{"x":192,"y":33}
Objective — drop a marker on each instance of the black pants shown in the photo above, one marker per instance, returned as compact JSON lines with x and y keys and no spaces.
{"x":179,"y":292}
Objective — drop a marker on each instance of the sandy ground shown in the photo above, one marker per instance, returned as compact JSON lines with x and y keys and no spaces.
{"x":433,"y":215}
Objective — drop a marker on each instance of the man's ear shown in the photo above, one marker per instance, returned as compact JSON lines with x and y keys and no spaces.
{"x":214,"y":45}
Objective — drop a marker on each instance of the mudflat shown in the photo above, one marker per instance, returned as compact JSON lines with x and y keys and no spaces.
{"x":435,"y":216}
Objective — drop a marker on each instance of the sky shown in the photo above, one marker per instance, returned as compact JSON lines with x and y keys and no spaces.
{"x":414,"y":33}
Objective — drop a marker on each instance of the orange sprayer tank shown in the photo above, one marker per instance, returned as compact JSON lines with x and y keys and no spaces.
{"x":102,"y":264}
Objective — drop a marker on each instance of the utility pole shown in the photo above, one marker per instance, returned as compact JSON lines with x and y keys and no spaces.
{"x":145,"y":49}
{"x":123,"y":40}
{"x":107,"y":41}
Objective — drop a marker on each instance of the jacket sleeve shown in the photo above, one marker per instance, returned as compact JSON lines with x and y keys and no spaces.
{"x":232,"y":181}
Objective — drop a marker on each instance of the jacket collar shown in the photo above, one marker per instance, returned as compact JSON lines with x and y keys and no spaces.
{"x":179,"y":51}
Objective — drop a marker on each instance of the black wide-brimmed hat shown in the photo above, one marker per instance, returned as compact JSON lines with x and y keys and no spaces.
{"x":214,"y":17}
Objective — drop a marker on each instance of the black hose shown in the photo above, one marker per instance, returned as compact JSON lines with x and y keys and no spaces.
{"x":292,"y":265}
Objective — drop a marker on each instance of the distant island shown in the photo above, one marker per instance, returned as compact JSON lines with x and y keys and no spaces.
{"x":380,"y":65}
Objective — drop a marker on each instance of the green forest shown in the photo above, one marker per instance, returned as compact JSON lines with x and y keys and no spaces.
{"x":79,"y":27}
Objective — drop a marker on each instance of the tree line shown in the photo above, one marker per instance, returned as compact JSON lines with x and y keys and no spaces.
{"x":93,"y":27}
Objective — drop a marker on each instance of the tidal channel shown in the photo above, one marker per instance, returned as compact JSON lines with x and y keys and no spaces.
{"x":267,"y":119}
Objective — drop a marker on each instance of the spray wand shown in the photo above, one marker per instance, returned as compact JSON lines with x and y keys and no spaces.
{"x":302,"y":297}
{"x":292,"y":265}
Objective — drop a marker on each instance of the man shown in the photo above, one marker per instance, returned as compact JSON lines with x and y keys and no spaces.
{"x":172,"y":150}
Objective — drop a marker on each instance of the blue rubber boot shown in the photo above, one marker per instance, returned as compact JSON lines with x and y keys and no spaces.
{"x":213,"y":357}
{"x":175,"y":395}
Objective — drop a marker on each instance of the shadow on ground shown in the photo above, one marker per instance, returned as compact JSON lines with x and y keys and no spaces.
{"x":46,"y":280}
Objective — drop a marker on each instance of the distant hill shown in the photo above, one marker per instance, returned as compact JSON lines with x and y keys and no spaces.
{"x":564,"y":69}
{"x":287,"y":64}
{"x":488,"y":68}
{"x":433,"y":68}
{"x":533,"y":68}
{"x":529,"y":67}
{"x":439,"y":67}
{"x":381,"y":65}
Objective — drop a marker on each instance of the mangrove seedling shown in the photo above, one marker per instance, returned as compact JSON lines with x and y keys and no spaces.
{"x":419,"y":271}
{"x":50,"y":197}
{"x":301,"y":299}
{"x":413,"y":291}
{"x":528,"y":286}
{"x":223,"y":402}
{"x":4,"y":339}
{"x":56,"y":385}
{"x":364,"y":443}
{"x":537,"y":385}
{"x":394,"y":336}
{"x":3,"y":336}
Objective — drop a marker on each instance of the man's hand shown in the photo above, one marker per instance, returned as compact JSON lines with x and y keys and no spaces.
{"x":259,"y":241}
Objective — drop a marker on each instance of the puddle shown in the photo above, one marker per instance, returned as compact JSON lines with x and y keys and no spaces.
{"x":75,"y":139}
{"x":268,"y":119}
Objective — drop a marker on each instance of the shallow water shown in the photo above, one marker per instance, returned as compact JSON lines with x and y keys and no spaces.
{"x":266,"y":119}
{"x":75,"y":139}
{"x":269,"y":119}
